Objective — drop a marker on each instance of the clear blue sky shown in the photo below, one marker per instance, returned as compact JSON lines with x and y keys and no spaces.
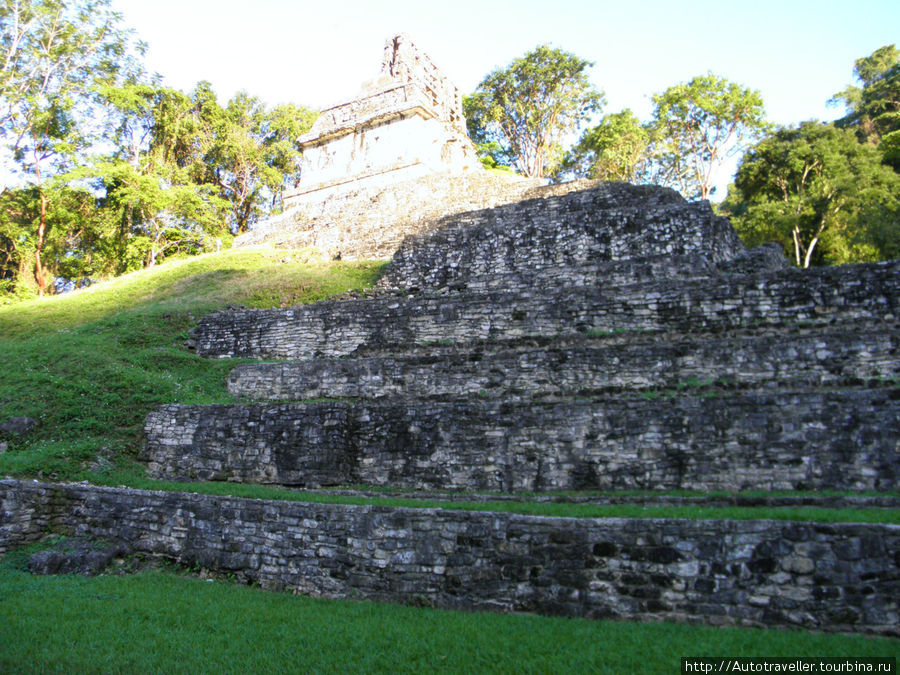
{"x":797,"y":53}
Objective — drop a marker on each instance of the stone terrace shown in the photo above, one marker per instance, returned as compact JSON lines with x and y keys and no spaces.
{"x":615,"y":337}
{"x":609,"y":338}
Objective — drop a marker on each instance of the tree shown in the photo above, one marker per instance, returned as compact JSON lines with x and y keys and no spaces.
{"x":618,"y":148}
{"x":823,"y":195}
{"x":252,"y":152}
{"x":700,"y":124}
{"x":492,"y":154}
{"x":74,"y":249}
{"x":187,"y":171}
{"x":56,"y":53}
{"x":528,"y":107}
{"x":874,"y":108}
{"x":154,"y":183}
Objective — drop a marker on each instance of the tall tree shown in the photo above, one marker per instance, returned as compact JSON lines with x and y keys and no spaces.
{"x":73,"y":249}
{"x":530,"y":106}
{"x":153,"y":184}
{"x":702,"y":123}
{"x":618,"y":148}
{"x":187,"y":171}
{"x":874,"y":108}
{"x":826,"y":197}
{"x":253,"y":152}
{"x":56,"y":53}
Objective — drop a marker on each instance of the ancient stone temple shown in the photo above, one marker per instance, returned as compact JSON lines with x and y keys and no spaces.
{"x":615,"y":340}
{"x":385,"y":164}
{"x":406,"y":123}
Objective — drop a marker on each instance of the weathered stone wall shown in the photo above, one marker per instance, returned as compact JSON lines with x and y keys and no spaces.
{"x":610,"y":221}
{"x":360,"y":221}
{"x":402,"y":65}
{"x":338,"y":328}
{"x":836,"y":577}
{"x":755,"y":441}
{"x":585,"y":366}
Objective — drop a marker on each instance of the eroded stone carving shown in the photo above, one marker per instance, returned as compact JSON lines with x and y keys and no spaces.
{"x":406,"y":123}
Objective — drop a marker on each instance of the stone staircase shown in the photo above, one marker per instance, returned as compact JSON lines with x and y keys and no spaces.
{"x":535,"y":347}
{"x":610,"y":338}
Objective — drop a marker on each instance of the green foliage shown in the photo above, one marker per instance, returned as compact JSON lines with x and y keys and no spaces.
{"x":529,"y":107}
{"x":491,"y":153}
{"x":824,"y":196}
{"x":183,"y":176}
{"x":56,"y":54}
{"x":826,"y":192}
{"x":252,"y":152}
{"x":618,"y":148}
{"x":701,"y":123}
{"x":695,"y":127}
{"x":73,"y":244}
{"x":190,"y":173}
{"x":874,"y":108}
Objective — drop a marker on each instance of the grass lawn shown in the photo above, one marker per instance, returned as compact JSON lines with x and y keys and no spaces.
{"x":158,"y":621}
{"x":90,"y":365}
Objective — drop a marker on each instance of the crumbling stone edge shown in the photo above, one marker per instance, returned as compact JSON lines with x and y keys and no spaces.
{"x":832,"y":577}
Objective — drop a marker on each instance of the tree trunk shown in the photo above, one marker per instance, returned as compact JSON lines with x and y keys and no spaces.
{"x":40,"y":272}
{"x":809,"y":252}
{"x":797,"y":245}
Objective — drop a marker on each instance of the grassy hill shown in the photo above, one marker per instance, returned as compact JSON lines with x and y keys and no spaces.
{"x":90,"y":365}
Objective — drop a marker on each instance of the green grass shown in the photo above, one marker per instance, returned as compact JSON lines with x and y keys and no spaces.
{"x":134,"y":478}
{"x":90,"y":366}
{"x":172,"y":623}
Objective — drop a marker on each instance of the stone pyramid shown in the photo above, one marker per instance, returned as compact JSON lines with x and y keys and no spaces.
{"x":599,"y":339}
{"x":615,"y":337}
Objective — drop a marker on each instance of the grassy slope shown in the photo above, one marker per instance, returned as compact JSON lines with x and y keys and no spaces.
{"x":166,"y":622}
{"x":90,"y":365}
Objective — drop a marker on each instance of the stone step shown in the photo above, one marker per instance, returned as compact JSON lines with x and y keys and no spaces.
{"x":848,"y":440}
{"x":588,"y":367}
{"x":639,"y":498}
{"x":819,"y":576}
{"x":609,"y":274}
{"x":369,"y":222}
{"x":823,"y":296}
{"x":594,"y":274}
{"x":611,"y":221}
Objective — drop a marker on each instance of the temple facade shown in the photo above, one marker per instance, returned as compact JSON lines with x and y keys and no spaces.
{"x":405,"y":124}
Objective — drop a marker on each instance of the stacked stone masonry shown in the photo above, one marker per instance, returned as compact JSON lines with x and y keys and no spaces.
{"x":786,"y":441}
{"x":712,"y":304}
{"x":610,"y":222}
{"x":369,"y":222}
{"x":408,"y":121}
{"x":834,"y":577}
{"x":586,"y":366}
{"x":612,"y":337}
